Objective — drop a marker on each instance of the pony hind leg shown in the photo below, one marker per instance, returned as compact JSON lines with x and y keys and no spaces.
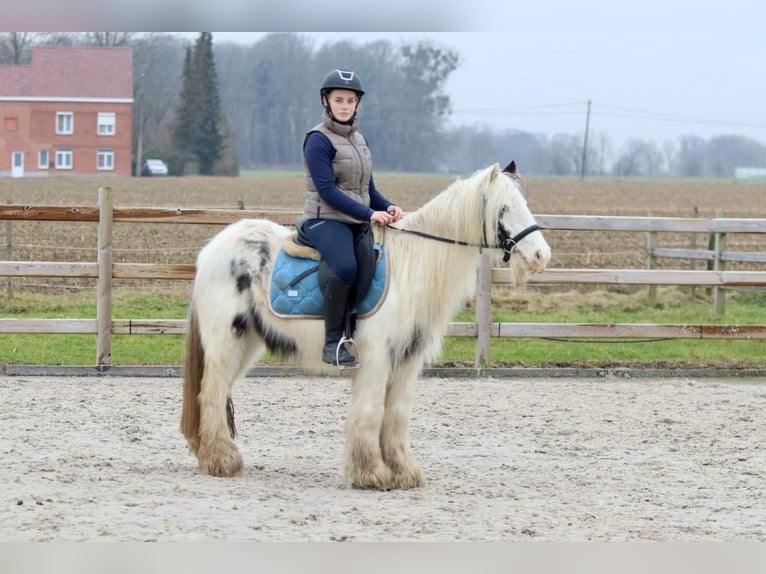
{"x":394,"y":435}
{"x":217,"y":452}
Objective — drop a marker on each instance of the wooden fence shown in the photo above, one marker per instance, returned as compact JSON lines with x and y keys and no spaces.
{"x":104,"y":270}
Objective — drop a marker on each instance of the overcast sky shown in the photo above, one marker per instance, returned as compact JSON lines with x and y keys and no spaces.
{"x":656,"y":69}
{"x":672,"y":82}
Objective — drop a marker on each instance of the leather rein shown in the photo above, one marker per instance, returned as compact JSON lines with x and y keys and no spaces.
{"x":507,"y":243}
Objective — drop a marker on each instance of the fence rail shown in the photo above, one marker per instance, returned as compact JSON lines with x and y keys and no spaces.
{"x":104,"y":270}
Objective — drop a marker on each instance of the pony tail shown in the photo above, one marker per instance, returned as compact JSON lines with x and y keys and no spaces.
{"x":194,"y":365}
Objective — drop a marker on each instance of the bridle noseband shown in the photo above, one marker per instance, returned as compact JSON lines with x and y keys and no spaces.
{"x":508,"y":243}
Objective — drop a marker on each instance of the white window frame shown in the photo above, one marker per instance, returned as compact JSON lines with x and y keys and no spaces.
{"x":64,"y":158}
{"x":64,"y":123}
{"x":105,"y":160}
{"x":43,"y":154}
{"x":106,"y":124}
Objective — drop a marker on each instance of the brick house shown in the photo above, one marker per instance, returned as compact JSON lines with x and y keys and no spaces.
{"x":69,"y":112}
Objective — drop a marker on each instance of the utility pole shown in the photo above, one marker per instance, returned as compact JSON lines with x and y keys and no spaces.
{"x":140,"y":142}
{"x":585,"y":143}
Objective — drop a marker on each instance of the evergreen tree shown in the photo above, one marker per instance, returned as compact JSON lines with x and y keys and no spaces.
{"x":197,"y":133}
{"x":207,"y":144}
{"x":183,"y":130}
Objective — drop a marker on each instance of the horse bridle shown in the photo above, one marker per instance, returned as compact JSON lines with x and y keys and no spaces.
{"x":507,"y":242}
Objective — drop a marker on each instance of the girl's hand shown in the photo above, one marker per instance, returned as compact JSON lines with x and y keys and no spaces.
{"x":395,"y":212}
{"x":381,"y":217}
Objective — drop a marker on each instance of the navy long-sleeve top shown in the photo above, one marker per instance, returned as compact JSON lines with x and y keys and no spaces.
{"x":319,"y":153}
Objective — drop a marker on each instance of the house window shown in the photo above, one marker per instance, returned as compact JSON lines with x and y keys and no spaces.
{"x":42,"y":159}
{"x":106,"y":123}
{"x":10,"y":124}
{"x":64,"y":123}
{"x":63,"y":158}
{"x":105,"y":159}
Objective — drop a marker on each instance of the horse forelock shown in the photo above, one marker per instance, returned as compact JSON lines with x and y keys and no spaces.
{"x":504,"y":199}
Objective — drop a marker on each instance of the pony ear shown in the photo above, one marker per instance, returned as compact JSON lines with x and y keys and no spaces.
{"x":510,"y":168}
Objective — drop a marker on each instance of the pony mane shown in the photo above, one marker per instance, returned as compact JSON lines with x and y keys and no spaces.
{"x":469,"y":209}
{"x":458,"y":211}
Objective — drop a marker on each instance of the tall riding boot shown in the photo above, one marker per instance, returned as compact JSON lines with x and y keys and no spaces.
{"x":336,"y":296}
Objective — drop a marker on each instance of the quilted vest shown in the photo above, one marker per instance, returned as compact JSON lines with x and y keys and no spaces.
{"x":351,"y":168}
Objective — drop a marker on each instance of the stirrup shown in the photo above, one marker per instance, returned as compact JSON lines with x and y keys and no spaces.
{"x":354,"y":365}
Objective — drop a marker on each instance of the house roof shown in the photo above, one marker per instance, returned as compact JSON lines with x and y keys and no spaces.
{"x":68,"y":72}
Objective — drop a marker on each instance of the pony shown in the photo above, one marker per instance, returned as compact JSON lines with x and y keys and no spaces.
{"x":433,"y":258}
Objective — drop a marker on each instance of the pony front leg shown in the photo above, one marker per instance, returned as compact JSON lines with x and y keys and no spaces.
{"x":394,"y":435}
{"x":217,"y":453}
{"x":364,"y":466}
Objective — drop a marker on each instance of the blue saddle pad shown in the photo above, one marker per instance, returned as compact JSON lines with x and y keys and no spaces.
{"x":295,"y":288}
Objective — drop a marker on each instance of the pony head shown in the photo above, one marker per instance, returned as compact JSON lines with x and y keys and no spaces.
{"x":509,"y":222}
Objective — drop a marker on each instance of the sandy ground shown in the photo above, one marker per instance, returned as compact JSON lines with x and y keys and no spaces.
{"x":101,"y":459}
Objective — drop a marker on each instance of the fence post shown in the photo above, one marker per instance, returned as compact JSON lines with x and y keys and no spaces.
{"x":693,"y":246}
{"x":719,"y":295}
{"x":483,"y":310}
{"x":651,"y":245}
{"x":9,"y":250}
{"x":104,"y":287}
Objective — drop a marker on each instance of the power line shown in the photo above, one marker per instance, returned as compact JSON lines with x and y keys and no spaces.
{"x":604,"y":110}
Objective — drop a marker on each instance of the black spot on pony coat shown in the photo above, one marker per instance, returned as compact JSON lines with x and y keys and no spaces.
{"x":405,"y":349}
{"x":239,"y":324}
{"x":277,"y":343}
{"x":243,"y":277}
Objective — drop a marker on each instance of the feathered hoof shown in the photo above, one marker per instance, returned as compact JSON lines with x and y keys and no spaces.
{"x":380,"y":478}
{"x":404,"y":481}
{"x":223,"y":462}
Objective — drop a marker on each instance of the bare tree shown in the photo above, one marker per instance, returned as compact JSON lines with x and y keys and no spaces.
{"x":107,"y":38}
{"x":15,"y":48}
{"x":157,"y":63}
{"x":639,"y":157}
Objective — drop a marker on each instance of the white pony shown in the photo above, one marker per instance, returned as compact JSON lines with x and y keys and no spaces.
{"x":431,"y":273}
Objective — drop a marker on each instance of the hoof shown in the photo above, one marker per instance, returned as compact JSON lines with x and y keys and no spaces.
{"x":221,"y":463}
{"x":380,"y":478}
{"x":415,"y":479}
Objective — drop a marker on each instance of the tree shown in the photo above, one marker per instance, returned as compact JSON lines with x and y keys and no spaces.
{"x":208,"y":141}
{"x":107,"y":38}
{"x":156,"y":87}
{"x":425,"y":69}
{"x":198,"y":128}
{"x":691,"y":160}
{"x":15,"y":47}
{"x":185,"y":125}
{"x":639,"y":157}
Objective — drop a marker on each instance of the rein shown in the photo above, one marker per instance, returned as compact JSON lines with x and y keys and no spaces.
{"x":508,"y":244}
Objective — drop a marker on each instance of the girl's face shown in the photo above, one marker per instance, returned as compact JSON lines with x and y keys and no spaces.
{"x":342,"y":103}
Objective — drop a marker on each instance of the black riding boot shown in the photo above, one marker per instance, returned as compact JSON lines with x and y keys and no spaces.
{"x":336,"y":296}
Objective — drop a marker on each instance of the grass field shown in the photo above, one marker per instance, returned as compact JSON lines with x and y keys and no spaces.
{"x":149,"y":243}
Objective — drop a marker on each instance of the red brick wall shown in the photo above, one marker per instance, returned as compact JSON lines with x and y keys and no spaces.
{"x":37,"y":130}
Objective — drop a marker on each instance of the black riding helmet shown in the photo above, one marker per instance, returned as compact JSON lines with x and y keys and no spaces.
{"x":342,"y":80}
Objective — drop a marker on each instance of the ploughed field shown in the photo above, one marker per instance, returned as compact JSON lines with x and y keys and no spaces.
{"x":175,"y":243}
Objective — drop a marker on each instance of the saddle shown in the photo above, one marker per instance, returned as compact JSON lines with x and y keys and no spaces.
{"x":298,"y":272}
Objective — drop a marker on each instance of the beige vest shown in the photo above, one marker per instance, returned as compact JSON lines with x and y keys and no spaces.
{"x":351,"y":168}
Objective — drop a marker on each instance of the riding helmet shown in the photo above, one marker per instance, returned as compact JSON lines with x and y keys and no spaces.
{"x":342,"y":80}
